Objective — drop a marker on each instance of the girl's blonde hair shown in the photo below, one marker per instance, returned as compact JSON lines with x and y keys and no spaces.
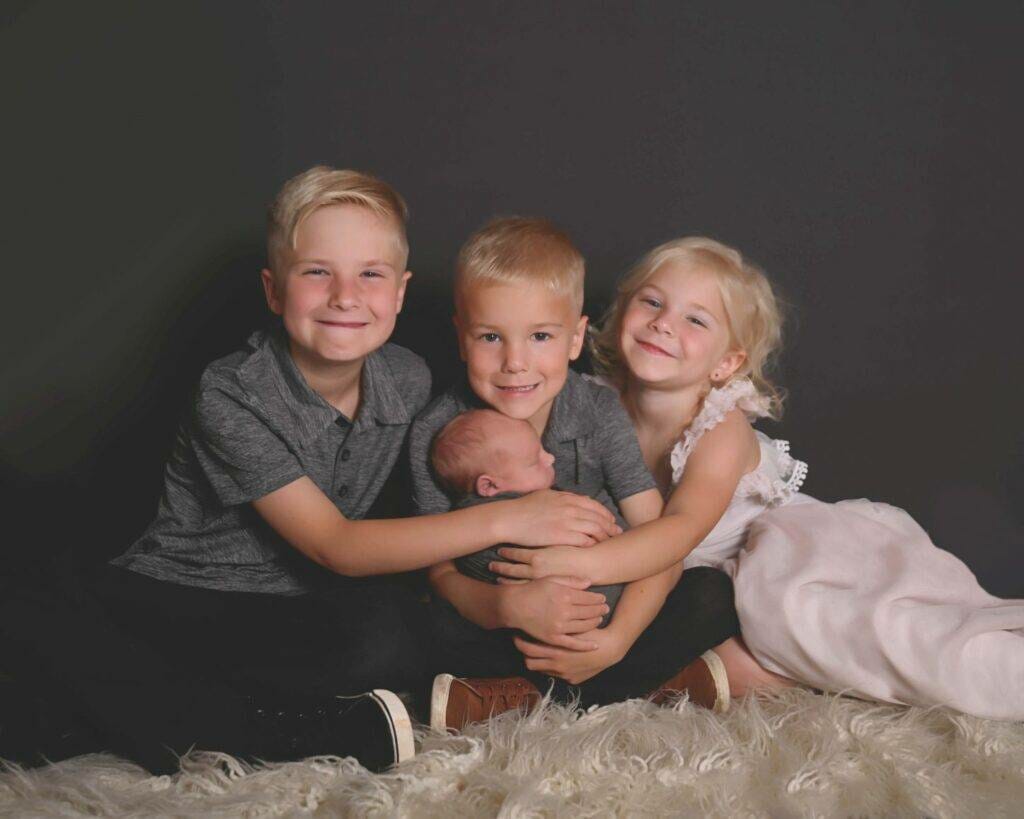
{"x":751,"y":308}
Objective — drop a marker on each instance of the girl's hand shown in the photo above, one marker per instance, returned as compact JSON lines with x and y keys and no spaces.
{"x":555,"y":610}
{"x":547,"y":516}
{"x":574,"y":666}
{"x":535,"y":564}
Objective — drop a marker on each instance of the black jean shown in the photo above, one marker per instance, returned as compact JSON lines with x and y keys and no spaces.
{"x":698,"y":614}
{"x":156,"y":668}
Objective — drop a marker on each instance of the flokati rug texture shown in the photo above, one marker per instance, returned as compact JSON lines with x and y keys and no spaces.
{"x":788,"y":755}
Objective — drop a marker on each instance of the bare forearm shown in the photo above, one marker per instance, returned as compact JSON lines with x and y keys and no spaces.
{"x":369,"y":547}
{"x":478,"y":602}
{"x":642,"y":552}
{"x":640,"y":603}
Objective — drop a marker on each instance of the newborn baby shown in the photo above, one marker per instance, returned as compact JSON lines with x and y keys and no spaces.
{"x":482,"y":456}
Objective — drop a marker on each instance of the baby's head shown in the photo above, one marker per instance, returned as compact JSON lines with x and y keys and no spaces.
{"x":694,"y":309}
{"x":518,"y":303}
{"x":483,"y":452}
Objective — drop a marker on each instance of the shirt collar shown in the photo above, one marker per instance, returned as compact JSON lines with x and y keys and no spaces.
{"x":380,"y":399}
{"x":572,"y":413}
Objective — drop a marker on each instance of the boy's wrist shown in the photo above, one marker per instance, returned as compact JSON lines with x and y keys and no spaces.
{"x":505,"y":608}
{"x":620,"y":641}
{"x":497,"y":523}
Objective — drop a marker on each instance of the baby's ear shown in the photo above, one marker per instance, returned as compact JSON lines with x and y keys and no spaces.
{"x":486,"y":487}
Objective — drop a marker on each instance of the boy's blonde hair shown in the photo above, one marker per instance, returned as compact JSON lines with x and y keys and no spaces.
{"x":321,"y":186}
{"x":751,"y":308}
{"x":521,"y":249}
{"x":466,"y":448}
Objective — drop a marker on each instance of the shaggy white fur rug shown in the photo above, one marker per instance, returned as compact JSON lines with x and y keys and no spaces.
{"x":788,"y":755}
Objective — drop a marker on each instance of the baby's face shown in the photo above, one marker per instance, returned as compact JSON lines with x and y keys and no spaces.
{"x":525,"y":466}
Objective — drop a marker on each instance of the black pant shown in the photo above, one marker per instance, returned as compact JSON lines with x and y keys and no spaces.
{"x":156,"y":668}
{"x":698,"y":614}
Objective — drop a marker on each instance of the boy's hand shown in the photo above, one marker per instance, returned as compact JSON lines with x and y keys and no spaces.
{"x":574,"y":667}
{"x":546,"y":517}
{"x":554,"y":610}
{"x":535,"y":564}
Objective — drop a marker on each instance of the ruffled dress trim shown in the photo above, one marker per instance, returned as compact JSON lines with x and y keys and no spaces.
{"x":775,"y":482}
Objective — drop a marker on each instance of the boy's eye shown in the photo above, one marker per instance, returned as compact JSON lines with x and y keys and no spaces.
{"x":490,"y":338}
{"x":315,"y":271}
{"x":372,"y":274}
{"x":540,"y":335}
{"x":697,"y":321}
{"x":653,"y":302}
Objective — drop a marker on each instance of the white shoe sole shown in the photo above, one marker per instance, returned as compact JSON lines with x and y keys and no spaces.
{"x":721,"y":679}
{"x":401,"y":725}
{"x":439,"y":701}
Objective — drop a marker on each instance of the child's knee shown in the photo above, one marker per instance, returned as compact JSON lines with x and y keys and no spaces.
{"x":713,"y":588}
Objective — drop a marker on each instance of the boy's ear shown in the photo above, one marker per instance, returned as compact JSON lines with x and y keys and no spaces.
{"x":730,"y":362}
{"x":401,"y":290}
{"x":579,"y":335}
{"x":270,"y":291}
{"x":458,"y":334}
{"x":486,"y":487}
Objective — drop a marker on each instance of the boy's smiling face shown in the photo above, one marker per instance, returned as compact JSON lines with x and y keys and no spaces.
{"x":340,"y":288}
{"x":517,"y":341}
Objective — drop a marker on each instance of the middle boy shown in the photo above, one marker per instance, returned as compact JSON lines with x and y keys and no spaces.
{"x":518,"y":315}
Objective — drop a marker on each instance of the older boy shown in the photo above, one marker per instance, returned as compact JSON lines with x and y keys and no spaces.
{"x":227,"y":625}
{"x":518,"y":315}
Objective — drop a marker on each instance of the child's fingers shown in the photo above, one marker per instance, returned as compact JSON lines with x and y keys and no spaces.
{"x":543,"y":667}
{"x":589,"y":504}
{"x":512,"y":570}
{"x":571,"y":643}
{"x":572,"y":538}
{"x":583,"y":626}
{"x":571,"y":582}
{"x":532,"y":649}
{"x":586,"y":598}
{"x":516,"y":555}
{"x":601,"y":518}
{"x":590,"y":612}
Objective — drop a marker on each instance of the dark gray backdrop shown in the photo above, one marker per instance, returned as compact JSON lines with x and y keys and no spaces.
{"x":869,"y":156}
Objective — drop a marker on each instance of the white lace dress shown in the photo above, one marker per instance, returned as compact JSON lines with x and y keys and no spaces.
{"x":853,"y":596}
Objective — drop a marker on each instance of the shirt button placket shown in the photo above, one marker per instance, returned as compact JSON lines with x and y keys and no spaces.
{"x":342,"y":477}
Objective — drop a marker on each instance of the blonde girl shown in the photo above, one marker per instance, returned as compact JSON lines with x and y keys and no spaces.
{"x":850,"y":596}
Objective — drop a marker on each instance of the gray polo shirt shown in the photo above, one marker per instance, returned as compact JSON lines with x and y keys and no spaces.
{"x":255,"y":426}
{"x":589,"y":433}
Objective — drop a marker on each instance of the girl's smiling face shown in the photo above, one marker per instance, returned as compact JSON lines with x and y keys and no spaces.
{"x":674,"y":331}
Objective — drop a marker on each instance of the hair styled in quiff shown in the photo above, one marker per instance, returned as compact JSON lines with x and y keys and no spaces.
{"x":521,"y":249}
{"x":467,"y":447}
{"x":751,"y":308}
{"x":319,"y":187}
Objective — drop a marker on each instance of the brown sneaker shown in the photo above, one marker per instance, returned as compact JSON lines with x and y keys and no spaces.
{"x":456,"y":702}
{"x":704,"y":680}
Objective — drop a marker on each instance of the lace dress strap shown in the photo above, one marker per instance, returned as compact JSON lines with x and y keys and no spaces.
{"x":739,"y":393}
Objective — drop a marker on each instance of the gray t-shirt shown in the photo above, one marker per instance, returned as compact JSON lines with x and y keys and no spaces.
{"x":589,"y":433}
{"x":255,"y":426}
